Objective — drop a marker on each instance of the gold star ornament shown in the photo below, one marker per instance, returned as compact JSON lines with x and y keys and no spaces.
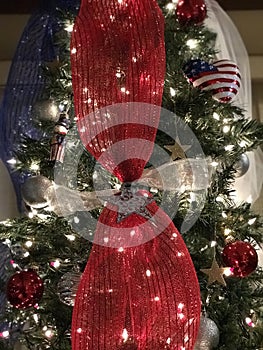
{"x":177,"y":150}
{"x":215,"y":274}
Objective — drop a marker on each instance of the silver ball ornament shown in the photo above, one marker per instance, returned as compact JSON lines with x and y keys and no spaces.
{"x":242,"y":165}
{"x":45,"y":110}
{"x":68,"y":287}
{"x":208,"y":336}
{"x":36,"y":191}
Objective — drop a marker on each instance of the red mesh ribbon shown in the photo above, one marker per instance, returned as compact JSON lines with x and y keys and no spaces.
{"x":142,"y":296}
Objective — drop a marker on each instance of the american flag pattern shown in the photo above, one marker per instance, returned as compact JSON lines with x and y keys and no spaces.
{"x":222,"y":78}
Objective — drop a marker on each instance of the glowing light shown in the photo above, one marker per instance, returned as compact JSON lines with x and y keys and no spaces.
{"x":69,"y":27}
{"x":71,"y":237}
{"x":192,"y":43}
{"x":4,"y":334}
{"x":249,"y":322}
{"x":148,"y":273}
{"x":226,"y":129}
{"x":121,"y":250}
{"x":26,"y":254}
{"x":213,"y":244}
{"x":179,"y":254}
{"x":12,"y":262}
{"x":132,"y":233}
{"x":34,"y":166}
{"x":175,"y":235}
{"x":74,"y":50}
{"x":220,"y":199}
{"x":214,"y":164}
{"x":35,"y":317}
{"x":156,"y":299}
{"x":172,"y":92}
{"x":49,"y":333}
{"x":106,"y":239}
{"x":243,"y":144}
{"x":110,"y":290}
{"x":216,"y":116}
{"x":125,"y":335}
{"x":168,"y":341}
{"x":134,"y":59}
{"x":224,"y":215}
{"x":181,"y":316}
{"x":252,"y":221}
{"x":79,"y":330}
{"x":12,"y":161}
{"x":180,"y":307}
{"x":29,"y":244}
{"x":170,"y":6}
{"x":227,"y":231}
{"x":76,"y":220}
{"x":229,"y":148}
{"x":55,"y":264}
{"x":228,"y":271}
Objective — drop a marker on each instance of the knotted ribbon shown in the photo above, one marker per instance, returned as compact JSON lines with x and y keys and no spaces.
{"x":139,"y":289}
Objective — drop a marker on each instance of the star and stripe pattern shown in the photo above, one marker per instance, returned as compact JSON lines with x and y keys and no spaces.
{"x":222,"y":78}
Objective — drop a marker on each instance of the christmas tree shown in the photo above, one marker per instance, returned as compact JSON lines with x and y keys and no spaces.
{"x":117,"y":54}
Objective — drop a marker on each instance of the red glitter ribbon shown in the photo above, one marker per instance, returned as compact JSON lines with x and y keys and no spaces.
{"x":140,"y":296}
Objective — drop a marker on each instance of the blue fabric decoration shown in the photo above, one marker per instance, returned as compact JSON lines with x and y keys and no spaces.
{"x":5,"y":257}
{"x":26,"y":82}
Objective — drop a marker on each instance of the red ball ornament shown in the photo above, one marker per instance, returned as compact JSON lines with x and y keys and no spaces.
{"x":241,"y":257}
{"x":191,"y":12}
{"x":24,"y":289}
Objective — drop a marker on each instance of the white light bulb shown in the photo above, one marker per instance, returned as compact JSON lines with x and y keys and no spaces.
{"x":216,"y":116}
{"x":170,"y":6}
{"x":229,"y":147}
{"x":242,"y":144}
{"x":71,"y":237}
{"x":192,"y":43}
{"x":34,"y":166}
{"x":172,"y":92}
{"x":29,"y":244}
{"x":125,"y":335}
{"x":228,"y":271}
{"x":148,"y":273}
{"x":69,"y":27}
{"x":252,"y":221}
{"x":12,"y":161}
{"x":226,"y":129}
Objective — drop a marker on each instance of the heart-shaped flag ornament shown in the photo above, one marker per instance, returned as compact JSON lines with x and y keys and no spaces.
{"x":222,"y":78}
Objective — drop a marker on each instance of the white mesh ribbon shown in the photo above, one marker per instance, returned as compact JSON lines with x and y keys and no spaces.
{"x":183,"y":175}
{"x":231,"y":46}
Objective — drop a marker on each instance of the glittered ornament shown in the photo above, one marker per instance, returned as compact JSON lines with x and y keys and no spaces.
{"x":68,"y":286}
{"x":222,"y":78}
{"x":45,"y":110}
{"x":18,"y":251}
{"x":242,"y":165}
{"x":24,"y":289}
{"x":191,"y":12}
{"x":208,"y":336}
{"x":241,"y":257}
{"x":36,"y":191}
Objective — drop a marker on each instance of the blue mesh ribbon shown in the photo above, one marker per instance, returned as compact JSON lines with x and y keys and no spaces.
{"x":26,"y":82}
